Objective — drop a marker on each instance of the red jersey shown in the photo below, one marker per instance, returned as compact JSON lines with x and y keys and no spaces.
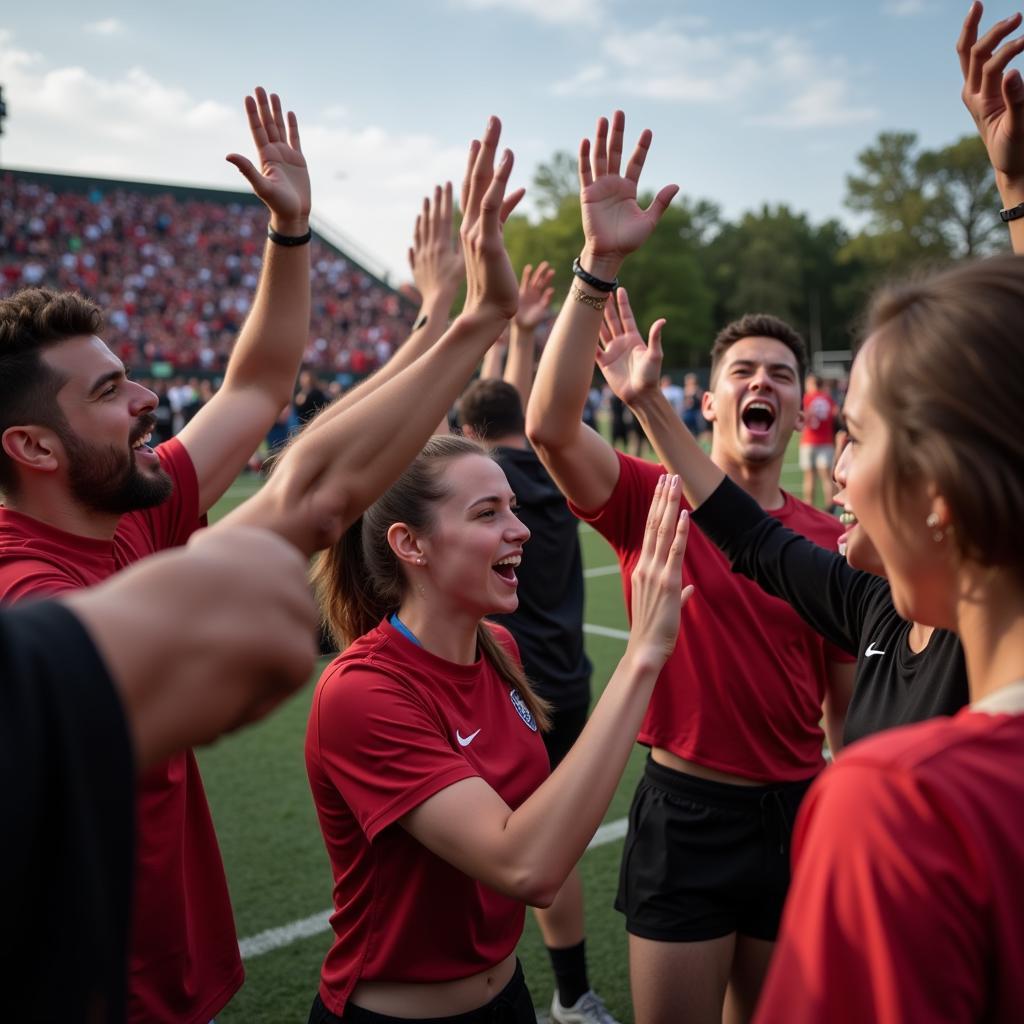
{"x":819,"y":418}
{"x":184,"y":963}
{"x":391,"y":725}
{"x":907,"y":901}
{"x":743,"y":689}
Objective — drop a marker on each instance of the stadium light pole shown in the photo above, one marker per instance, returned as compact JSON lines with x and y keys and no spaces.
{"x":3,"y":111}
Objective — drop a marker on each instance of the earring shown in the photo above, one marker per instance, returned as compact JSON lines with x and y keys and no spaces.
{"x":421,"y":560}
{"x":932,"y":522}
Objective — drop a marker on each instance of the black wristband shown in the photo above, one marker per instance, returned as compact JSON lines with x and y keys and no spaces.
{"x":594,"y":282}
{"x":278,"y":239}
{"x":1013,"y":213}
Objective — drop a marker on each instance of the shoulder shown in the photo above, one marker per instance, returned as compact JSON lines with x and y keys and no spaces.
{"x":504,"y":637}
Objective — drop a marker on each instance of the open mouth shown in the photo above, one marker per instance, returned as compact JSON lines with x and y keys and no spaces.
{"x":143,"y":441}
{"x":848,"y":520}
{"x":758,"y":417}
{"x":506,"y":568}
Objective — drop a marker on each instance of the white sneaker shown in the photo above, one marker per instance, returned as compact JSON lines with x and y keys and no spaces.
{"x":588,"y":1009}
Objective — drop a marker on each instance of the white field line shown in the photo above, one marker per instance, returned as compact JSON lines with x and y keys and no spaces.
{"x":615,"y":634}
{"x":600,"y":570}
{"x":315,"y":924}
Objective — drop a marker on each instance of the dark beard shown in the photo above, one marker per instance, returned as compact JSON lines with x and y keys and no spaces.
{"x":105,"y":479}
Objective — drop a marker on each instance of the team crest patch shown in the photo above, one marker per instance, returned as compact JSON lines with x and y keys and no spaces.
{"x":522,"y":710}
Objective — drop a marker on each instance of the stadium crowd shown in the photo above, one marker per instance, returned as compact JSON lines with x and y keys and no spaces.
{"x":176,"y":275}
{"x":456,"y":767}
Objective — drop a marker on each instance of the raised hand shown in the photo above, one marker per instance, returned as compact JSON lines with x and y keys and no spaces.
{"x":535,"y":294}
{"x":492,"y":290}
{"x":657,"y":597}
{"x":282,"y":181}
{"x":614,"y":225}
{"x":436,"y":260}
{"x":629,"y":366}
{"x":994,"y":97}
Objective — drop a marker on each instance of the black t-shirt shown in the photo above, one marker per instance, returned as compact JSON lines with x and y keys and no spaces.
{"x":68,"y":809}
{"x":852,"y":609}
{"x":548,"y":625}
{"x":309,"y":403}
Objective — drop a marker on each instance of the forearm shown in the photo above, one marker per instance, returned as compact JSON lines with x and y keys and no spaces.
{"x":330,"y":475}
{"x":269,"y":349}
{"x":519,"y":364}
{"x":491,"y":368}
{"x":565,"y":371}
{"x":548,"y":834}
{"x":1011,"y":191}
{"x":676,"y":447}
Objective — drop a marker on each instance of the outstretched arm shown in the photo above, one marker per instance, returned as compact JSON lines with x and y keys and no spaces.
{"x":582,"y":463}
{"x":261,"y":372}
{"x":535,"y":293}
{"x":529,"y":852}
{"x":995,"y":99}
{"x":325,"y":480}
{"x":633,"y":371}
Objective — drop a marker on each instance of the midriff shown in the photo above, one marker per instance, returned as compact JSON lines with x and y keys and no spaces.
{"x":680,"y":764}
{"x":434,"y":999}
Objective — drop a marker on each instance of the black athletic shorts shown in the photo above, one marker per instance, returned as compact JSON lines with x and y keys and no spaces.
{"x":512,"y":1005}
{"x":565,"y":730}
{"x":704,"y":859}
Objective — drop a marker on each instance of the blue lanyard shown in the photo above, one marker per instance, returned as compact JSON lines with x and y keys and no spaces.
{"x":403,"y":629}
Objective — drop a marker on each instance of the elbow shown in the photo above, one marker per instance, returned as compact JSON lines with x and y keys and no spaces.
{"x":541,"y":433}
{"x":535,"y":888}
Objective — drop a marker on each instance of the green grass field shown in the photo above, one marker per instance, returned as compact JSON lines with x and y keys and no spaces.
{"x":278,"y":870}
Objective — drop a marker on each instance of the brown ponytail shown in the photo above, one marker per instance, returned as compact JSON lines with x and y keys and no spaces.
{"x":359,"y":581}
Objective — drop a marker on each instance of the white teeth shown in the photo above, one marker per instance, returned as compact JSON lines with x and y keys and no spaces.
{"x":145,"y":439}
{"x":511,"y":560}
{"x":847,"y":518}
{"x":761,"y":405}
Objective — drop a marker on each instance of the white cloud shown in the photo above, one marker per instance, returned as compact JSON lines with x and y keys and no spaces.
{"x":552,"y":12}
{"x":904,"y":8}
{"x":367,"y":183}
{"x":105,"y":27}
{"x":772,"y":78}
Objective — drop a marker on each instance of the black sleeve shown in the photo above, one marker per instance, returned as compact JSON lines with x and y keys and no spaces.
{"x":68,"y":809}
{"x":819,"y":584}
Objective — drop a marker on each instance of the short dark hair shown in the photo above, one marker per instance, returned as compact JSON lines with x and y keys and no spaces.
{"x":758,"y":325}
{"x":31,"y":321}
{"x":492,"y":408}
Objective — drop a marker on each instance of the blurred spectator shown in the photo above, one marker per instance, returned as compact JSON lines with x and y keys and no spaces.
{"x":310,"y":398}
{"x":176,"y":275}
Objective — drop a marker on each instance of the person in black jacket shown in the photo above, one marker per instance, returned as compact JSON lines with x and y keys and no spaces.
{"x":849,"y":605}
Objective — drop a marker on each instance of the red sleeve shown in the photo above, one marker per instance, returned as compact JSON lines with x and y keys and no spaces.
{"x":383,"y":748}
{"x":882,"y":922}
{"x":629,"y":504}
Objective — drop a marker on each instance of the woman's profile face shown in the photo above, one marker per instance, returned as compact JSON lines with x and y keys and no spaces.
{"x":854,"y":543}
{"x":476,"y":542}
{"x":919,"y":569}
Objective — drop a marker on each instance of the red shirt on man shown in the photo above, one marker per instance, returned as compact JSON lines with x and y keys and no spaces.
{"x":819,"y":418}
{"x":743,"y":689}
{"x":391,"y":725}
{"x":907,"y":901}
{"x":184,"y":963}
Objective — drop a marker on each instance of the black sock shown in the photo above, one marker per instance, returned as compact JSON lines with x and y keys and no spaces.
{"x":570,"y":967}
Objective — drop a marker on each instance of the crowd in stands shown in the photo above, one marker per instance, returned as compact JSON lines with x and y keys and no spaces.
{"x":176,"y":275}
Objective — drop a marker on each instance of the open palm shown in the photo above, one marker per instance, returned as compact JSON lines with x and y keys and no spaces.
{"x":630,"y":366}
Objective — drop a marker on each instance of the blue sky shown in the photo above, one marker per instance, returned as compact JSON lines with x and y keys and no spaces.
{"x":749,"y":102}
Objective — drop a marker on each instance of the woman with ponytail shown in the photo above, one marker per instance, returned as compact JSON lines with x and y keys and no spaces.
{"x":424,"y":753}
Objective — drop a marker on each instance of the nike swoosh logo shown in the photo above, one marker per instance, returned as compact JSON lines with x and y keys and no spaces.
{"x":464,"y":741}
{"x":872,"y":650}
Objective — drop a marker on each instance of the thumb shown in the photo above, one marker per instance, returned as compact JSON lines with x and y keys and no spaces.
{"x":1013,"y":95}
{"x":245,"y":165}
{"x":659,"y":204}
{"x":654,"y":348}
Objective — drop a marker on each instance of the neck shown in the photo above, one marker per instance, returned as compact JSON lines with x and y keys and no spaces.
{"x":60,"y":510}
{"x":919,"y":636}
{"x":759,"y":479}
{"x":990,"y":621}
{"x":442,"y":631}
{"x":510,"y":441}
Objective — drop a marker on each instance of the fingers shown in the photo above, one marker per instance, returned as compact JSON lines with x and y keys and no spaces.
{"x":981,"y":51}
{"x":626,"y":312}
{"x":267,"y":115}
{"x":992,"y":72}
{"x":599,"y":155}
{"x":474,"y":149}
{"x":618,"y":129}
{"x":654,"y":517}
{"x":278,"y":115}
{"x":654,"y":349}
{"x":677,"y":547}
{"x":1013,"y":96}
{"x":586,"y":177}
{"x":492,"y":207}
{"x":613,"y":315}
{"x":482,"y":173}
{"x":639,"y":155}
{"x":446,"y":210}
{"x":510,"y":203}
{"x":668,"y":525}
{"x":435,"y":219}
{"x":259,"y":135}
{"x":293,"y":132}
{"x":968,"y":37}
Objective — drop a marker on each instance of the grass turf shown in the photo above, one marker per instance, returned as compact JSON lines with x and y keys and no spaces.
{"x":275,"y":860}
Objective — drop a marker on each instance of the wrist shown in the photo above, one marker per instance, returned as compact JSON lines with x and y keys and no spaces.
{"x":437,"y":300}
{"x":293,"y":227}
{"x":645,"y":399}
{"x":483,"y":318}
{"x":642,"y":663}
{"x":605,"y":266}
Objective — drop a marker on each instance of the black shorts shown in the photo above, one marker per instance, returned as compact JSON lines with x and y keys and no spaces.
{"x":512,"y":1005}
{"x":705,"y":859}
{"x":566,"y":726}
